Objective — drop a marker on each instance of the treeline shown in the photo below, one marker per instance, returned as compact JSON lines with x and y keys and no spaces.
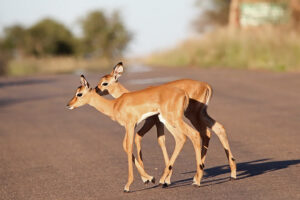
{"x":103,"y":35}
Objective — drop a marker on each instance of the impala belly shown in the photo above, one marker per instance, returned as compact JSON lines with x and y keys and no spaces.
{"x":146,"y":115}
{"x":160,"y":117}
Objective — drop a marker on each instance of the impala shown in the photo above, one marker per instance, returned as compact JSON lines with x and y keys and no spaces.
{"x":199,"y":96}
{"x":131,"y":108}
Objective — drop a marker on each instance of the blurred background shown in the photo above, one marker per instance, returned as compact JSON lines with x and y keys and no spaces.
{"x":64,"y":36}
{"x":247,"y":50}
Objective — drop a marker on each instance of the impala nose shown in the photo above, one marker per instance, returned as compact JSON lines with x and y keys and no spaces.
{"x":69,"y":107}
{"x":98,"y":90}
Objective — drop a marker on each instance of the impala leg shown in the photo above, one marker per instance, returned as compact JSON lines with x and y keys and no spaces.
{"x":205,"y":135}
{"x":180,"y":139}
{"x":162,"y":143}
{"x":202,"y":128}
{"x":137,"y":139}
{"x":205,"y":142}
{"x":149,"y":123}
{"x":131,"y":159}
{"x":219,"y":130}
{"x":138,"y":166}
{"x":129,"y":142}
{"x":194,"y":136}
{"x":179,"y":142}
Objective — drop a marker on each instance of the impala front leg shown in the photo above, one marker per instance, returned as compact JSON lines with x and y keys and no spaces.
{"x":145,"y":177}
{"x":129,"y":142}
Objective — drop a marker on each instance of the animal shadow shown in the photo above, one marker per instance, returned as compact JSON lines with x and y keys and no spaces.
{"x":244,"y":170}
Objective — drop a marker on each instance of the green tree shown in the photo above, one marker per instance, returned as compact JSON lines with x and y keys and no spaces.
{"x":104,"y":36}
{"x":49,"y":37}
{"x":214,"y":13}
{"x":14,"y":40}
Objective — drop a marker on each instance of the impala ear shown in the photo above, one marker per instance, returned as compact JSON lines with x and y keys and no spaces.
{"x":118,"y":71}
{"x":84,"y":82}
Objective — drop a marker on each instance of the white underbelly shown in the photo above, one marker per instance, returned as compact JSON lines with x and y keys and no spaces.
{"x":161,"y":119}
{"x":146,"y":115}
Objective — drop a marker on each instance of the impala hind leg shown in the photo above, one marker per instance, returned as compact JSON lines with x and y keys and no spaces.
{"x":219,"y":130}
{"x":194,"y":136}
{"x":179,"y":142}
{"x":202,"y":128}
{"x":205,"y":136}
{"x":180,"y":131}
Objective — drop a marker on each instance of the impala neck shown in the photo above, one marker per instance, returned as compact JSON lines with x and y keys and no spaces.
{"x":101,"y":104}
{"x":118,"y":90}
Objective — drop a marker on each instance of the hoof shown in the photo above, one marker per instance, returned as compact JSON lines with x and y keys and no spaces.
{"x":164,"y":185}
{"x":126,"y":191}
{"x":153,"y":180}
{"x":161,"y":184}
{"x":168,"y":183}
{"x":196,"y":185}
{"x":148,"y":181}
{"x":232,"y":179}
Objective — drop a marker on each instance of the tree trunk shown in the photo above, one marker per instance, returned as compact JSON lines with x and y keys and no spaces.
{"x":234,"y":21}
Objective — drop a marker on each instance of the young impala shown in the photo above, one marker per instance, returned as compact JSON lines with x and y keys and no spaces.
{"x":199,"y":94}
{"x":131,"y":108}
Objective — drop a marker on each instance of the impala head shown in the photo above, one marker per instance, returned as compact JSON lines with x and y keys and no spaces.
{"x":108,"y":81}
{"x":81,"y":98}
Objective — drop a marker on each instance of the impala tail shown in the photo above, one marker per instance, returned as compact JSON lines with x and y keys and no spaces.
{"x":186,"y":101}
{"x":208,"y":94}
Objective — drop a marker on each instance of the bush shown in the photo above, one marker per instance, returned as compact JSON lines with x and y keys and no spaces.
{"x":49,"y":37}
{"x":104,"y":36}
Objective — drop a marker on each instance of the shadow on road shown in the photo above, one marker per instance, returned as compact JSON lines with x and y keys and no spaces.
{"x":251,"y":168}
{"x":244,"y":170}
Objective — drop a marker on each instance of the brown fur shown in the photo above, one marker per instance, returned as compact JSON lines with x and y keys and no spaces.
{"x":199,"y":94}
{"x":129,"y":108}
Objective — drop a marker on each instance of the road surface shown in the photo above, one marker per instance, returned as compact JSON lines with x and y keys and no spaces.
{"x":50,"y":153}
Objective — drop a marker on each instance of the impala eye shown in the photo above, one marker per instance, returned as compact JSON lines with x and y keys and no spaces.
{"x":79,"y":94}
{"x":104,"y":84}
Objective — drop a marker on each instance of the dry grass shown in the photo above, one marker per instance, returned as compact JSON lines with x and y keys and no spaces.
{"x":268,"y":48}
{"x":53,"y":65}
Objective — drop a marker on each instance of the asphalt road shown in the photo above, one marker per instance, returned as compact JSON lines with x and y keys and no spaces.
{"x":49,"y":152}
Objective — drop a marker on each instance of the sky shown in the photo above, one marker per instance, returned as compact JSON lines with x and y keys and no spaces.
{"x":156,"y":24}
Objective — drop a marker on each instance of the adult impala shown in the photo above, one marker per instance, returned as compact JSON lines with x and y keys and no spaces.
{"x":199,"y":93}
{"x":131,"y":108}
